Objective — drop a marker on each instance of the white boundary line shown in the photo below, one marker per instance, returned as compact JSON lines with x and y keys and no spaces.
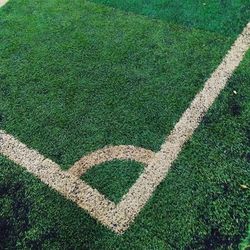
{"x":3,"y":2}
{"x":135,"y":199}
{"x":119,"y":217}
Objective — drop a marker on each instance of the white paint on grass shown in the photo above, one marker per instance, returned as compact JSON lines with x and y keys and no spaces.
{"x":119,"y":217}
{"x":3,"y":2}
{"x":122,"y":152}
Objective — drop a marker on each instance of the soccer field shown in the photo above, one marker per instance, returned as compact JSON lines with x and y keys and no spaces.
{"x":124,"y":124}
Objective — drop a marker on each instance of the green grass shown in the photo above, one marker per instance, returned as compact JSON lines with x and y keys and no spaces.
{"x":76,"y":76}
{"x":222,"y":16}
{"x":246,"y":244}
{"x":74,"y":83}
{"x":113,"y":178}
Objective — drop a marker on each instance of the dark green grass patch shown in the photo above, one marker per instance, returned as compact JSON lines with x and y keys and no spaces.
{"x":113,"y":178}
{"x":222,"y":16}
{"x":75,"y":76}
{"x":14,"y":209}
{"x":34,"y":217}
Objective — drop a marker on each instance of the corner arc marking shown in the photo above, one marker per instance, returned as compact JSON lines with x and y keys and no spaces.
{"x":109,"y":153}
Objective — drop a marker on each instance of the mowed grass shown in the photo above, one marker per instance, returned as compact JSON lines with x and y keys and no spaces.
{"x":114,"y":178}
{"x":227,"y":17}
{"x":246,"y":243}
{"x":201,"y":204}
{"x":75,"y":77}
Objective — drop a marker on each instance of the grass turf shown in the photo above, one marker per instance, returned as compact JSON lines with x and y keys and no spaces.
{"x":113,"y":178}
{"x":74,"y":83}
{"x":246,"y":243}
{"x":78,"y":76}
{"x":222,"y":16}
